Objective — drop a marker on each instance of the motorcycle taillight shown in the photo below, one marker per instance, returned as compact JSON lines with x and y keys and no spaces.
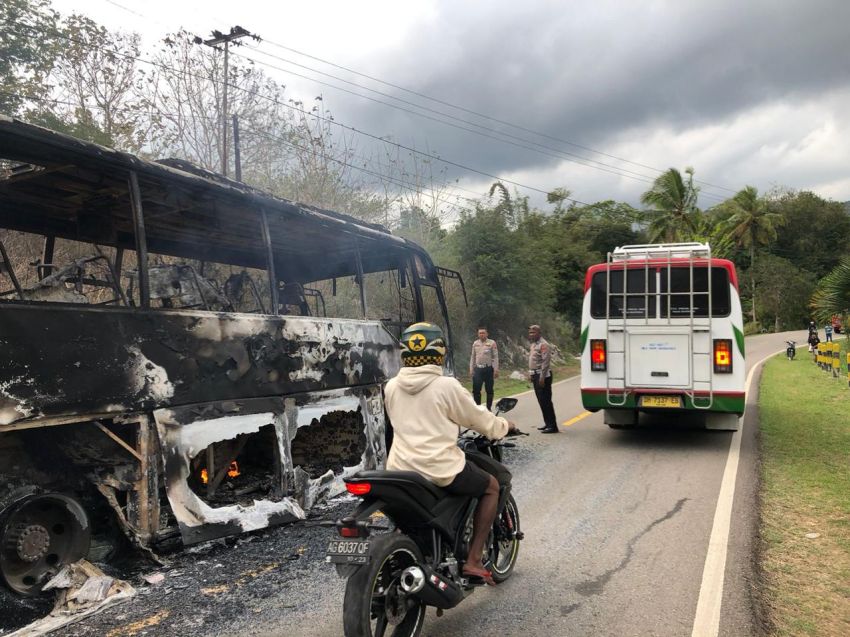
{"x":358,"y":488}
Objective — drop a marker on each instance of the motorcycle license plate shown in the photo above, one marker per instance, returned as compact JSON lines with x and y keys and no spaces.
{"x":347,"y":552}
{"x":674,"y":402}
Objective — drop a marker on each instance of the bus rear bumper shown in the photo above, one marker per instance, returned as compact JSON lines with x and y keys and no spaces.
{"x":731,"y":403}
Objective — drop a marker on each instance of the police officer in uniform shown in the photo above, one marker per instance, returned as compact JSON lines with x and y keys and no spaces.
{"x":483,"y":366}
{"x":540,"y":374}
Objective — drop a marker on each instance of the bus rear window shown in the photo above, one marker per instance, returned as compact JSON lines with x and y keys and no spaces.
{"x":638,"y":296}
{"x":680,"y":288}
{"x":641,"y":293}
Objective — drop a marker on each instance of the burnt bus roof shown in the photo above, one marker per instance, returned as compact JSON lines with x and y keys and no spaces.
{"x":68,"y":188}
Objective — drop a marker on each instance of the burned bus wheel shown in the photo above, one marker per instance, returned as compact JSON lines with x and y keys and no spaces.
{"x":39,"y":534}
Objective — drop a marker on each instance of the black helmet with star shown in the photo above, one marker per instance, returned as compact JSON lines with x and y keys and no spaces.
{"x":422,"y":344}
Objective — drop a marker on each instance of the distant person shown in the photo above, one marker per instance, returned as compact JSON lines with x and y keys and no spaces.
{"x":827,"y":330}
{"x":540,"y":374}
{"x":483,"y":366}
{"x":814,"y":340}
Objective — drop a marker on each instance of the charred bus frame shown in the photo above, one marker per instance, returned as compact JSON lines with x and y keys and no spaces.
{"x":137,"y":394}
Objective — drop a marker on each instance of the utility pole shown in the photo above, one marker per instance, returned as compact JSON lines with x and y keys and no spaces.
{"x":217,"y":39}
{"x":237,"y":158}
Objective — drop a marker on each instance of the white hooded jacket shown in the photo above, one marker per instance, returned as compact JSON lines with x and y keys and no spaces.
{"x":426,"y":410}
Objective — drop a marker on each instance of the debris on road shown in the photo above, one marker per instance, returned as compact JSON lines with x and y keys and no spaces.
{"x":154,"y":578}
{"x":83,"y":591}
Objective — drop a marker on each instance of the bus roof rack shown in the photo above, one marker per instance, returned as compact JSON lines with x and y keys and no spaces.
{"x":661,"y":250}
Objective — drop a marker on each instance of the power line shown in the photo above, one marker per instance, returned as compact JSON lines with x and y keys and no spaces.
{"x":562,"y":154}
{"x":477,"y":113}
{"x":620,"y":172}
{"x":304,"y":112}
{"x":393,"y":180}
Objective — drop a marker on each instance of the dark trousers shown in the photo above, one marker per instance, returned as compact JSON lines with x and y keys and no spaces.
{"x":482,"y":375}
{"x":544,"y":399}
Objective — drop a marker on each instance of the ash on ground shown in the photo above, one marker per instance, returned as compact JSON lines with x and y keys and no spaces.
{"x":210,"y":588}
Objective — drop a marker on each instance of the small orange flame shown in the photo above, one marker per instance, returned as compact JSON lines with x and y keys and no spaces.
{"x":232,"y":472}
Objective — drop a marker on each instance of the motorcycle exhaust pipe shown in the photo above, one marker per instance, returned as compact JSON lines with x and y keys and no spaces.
{"x":412,"y":580}
{"x":431,"y":588}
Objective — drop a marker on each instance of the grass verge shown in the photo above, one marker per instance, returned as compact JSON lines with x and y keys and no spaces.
{"x":805,"y":425}
{"x":506,"y":386}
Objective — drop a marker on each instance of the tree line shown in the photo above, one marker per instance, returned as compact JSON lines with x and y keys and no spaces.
{"x":521,"y":263}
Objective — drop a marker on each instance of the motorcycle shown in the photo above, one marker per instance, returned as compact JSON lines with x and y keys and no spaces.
{"x":395,"y":573}
{"x":791,"y":350}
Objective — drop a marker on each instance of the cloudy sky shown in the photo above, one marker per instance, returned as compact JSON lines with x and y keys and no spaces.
{"x":594,"y":96}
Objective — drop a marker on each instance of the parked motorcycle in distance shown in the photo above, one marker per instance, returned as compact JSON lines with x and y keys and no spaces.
{"x":394,"y":575}
{"x":791,"y":350}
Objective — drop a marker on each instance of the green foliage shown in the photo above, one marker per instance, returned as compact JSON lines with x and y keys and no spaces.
{"x":816,"y":232}
{"x":782,"y":292}
{"x":510,"y":285}
{"x":833,"y":292}
{"x":672,"y":202}
{"x":750,"y":224}
{"x":26,"y":56}
{"x":709,"y":227}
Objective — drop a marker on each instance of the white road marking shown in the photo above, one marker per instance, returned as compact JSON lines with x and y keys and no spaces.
{"x":707,"y":619}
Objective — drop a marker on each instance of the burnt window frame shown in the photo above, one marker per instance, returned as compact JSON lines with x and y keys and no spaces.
{"x":172,"y":208}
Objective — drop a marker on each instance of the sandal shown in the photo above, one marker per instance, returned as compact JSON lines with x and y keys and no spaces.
{"x":479,"y":574}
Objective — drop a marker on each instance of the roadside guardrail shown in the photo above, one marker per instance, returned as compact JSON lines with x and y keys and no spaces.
{"x":828,"y":358}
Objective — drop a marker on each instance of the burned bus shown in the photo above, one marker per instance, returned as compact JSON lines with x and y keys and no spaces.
{"x":182,"y":357}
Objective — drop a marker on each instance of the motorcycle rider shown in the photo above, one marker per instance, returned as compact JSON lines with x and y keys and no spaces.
{"x":426,"y":410}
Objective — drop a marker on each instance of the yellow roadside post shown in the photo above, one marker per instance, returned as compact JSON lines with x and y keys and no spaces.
{"x":836,"y":359}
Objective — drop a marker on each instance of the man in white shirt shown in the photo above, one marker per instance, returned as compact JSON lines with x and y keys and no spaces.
{"x":427,"y":410}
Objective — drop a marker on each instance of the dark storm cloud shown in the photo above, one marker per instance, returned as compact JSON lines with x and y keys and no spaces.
{"x":594,"y":73}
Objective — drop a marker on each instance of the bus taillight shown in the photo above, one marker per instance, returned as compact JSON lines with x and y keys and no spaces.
{"x":722,"y":356}
{"x":598,"y":359}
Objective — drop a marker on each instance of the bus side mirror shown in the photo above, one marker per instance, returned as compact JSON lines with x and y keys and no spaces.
{"x":506,"y":404}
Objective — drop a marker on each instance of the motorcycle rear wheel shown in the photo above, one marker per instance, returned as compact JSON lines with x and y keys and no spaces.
{"x":374,"y":604}
{"x":504,"y":547}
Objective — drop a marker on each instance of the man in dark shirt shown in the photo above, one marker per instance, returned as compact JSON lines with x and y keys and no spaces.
{"x":540,"y":374}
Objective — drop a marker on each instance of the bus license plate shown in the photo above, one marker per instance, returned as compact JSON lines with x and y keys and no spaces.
{"x":348,"y":552}
{"x":661,"y":401}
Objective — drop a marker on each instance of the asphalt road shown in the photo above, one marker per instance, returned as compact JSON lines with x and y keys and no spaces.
{"x":617,"y":526}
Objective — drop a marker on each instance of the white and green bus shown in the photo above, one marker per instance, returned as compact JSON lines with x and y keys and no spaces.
{"x":662,"y":331}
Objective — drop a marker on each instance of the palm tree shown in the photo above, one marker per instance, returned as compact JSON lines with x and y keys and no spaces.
{"x":751,"y":224}
{"x":673,"y":202}
{"x":832,"y":295}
